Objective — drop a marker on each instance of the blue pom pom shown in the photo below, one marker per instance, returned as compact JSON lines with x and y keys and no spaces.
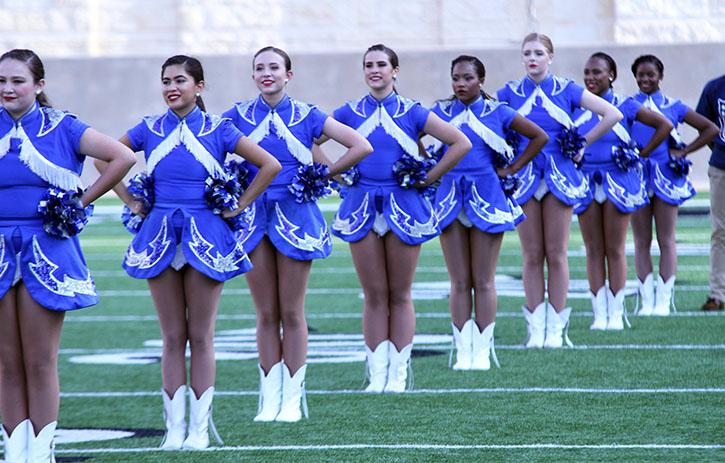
{"x":674,"y":144}
{"x":436,"y":154}
{"x":310,"y":183}
{"x":131,"y":221}
{"x":509,"y":185}
{"x":626,"y":156}
{"x":571,"y":143}
{"x":141,"y":188}
{"x":410,"y":173}
{"x":681,"y":166}
{"x":349,"y":178}
{"x":63,"y":212}
{"x":513,"y":139}
{"x":240,"y":222}
{"x":239,"y":171}
{"x":222,"y":193}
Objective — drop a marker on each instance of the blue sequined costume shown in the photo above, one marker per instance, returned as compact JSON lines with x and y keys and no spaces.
{"x":550,"y":105}
{"x":659,"y":177}
{"x":392,"y":127}
{"x":180,"y":155}
{"x":606,"y":180}
{"x":471,"y":191}
{"x":287,"y":131}
{"x":40,"y":150}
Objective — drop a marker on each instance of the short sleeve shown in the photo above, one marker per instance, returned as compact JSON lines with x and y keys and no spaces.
{"x":502,"y":95}
{"x":137,"y":136}
{"x":705,"y":106}
{"x":680,"y":110}
{"x":506,"y":114}
{"x":230,"y":135}
{"x":575,"y":92}
{"x":231,"y":114}
{"x":419,"y":116}
{"x":75,"y":130}
{"x":630,"y":108}
{"x":340,"y":115}
{"x":317,"y":120}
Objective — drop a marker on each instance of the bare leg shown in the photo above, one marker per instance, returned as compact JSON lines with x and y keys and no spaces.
{"x":557,"y":225}
{"x":40,"y":330}
{"x":293,"y":277}
{"x":485,"y":248}
{"x":615,"y":236}
{"x":368,"y":254}
{"x":13,"y":395}
{"x":454,"y":242}
{"x":642,"y":233}
{"x":531,"y":235}
{"x":665,"y":220}
{"x":400,"y":262}
{"x":202,"y":297}
{"x":591,"y":223}
{"x":263,"y":283}
{"x":167,"y":292}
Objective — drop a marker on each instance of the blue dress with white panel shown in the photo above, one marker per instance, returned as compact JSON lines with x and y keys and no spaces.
{"x":471,"y":192}
{"x":607,"y":181}
{"x":39,"y":151}
{"x":377,"y":201}
{"x":660,"y":179}
{"x":549,"y":104}
{"x":287,"y":131}
{"x":181,"y":154}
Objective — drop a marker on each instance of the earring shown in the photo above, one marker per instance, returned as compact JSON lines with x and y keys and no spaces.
{"x":395,"y":77}
{"x":38,"y":92}
{"x":198,"y":94}
{"x":286,"y":80}
{"x":611,"y":79}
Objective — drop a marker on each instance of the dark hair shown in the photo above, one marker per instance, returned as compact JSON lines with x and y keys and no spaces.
{"x":477,"y":65}
{"x":536,"y":37}
{"x":192,"y":66}
{"x":280,"y":52}
{"x":35,"y":66}
{"x":392,"y":56}
{"x":610,"y":64}
{"x":652,"y":59}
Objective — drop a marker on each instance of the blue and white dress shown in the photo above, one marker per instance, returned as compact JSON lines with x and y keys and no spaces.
{"x":377,"y":202}
{"x":471,"y":192}
{"x":550,"y":105}
{"x":623,"y":188}
{"x":287,"y":131}
{"x":39,"y":151}
{"x":181,"y":228}
{"x":661,"y":180}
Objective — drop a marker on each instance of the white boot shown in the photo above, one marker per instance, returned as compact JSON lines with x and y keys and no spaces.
{"x":16,"y":444}
{"x":270,"y":393}
{"x":293,"y":395}
{"x":557,"y":325}
{"x":377,"y":366}
{"x":536,"y":323}
{"x":175,"y":419}
{"x":646,"y":296}
{"x":663,"y":296}
{"x":40,"y":447}
{"x":483,"y":348}
{"x":200,"y":419}
{"x":463,"y":341}
{"x":398,"y":368}
{"x":615,"y":310}
{"x":599,"y":309}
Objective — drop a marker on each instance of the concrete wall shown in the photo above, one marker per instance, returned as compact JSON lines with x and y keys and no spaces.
{"x":113,"y":93}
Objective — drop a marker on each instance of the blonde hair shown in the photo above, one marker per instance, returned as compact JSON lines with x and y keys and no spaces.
{"x":536,"y":37}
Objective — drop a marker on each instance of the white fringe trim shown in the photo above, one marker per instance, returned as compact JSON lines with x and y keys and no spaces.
{"x":384,"y":120}
{"x":491,"y":138}
{"x":55,"y":175}
{"x":181,"y":135}
{"x":5,"y":142}
{"x":650,"y":104}
{"x":558,"y":114}
{"x":295,"y":147}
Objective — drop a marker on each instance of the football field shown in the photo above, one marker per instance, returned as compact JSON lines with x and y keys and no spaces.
{"x":655,"y":392}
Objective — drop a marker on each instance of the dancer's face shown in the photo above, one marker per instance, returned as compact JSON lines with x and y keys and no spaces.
{"x":179,"y":89}
{"x":379,"y":73}
{"x":536,"y":59}
{"x":648,"y":78}
{"x":18,"y":87}
{"x":270,"y":74}
{"x":465,"y":82}
{"x":597,"y":76}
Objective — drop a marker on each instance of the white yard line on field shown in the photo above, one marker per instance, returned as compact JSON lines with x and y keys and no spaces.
{"x":494,"y":390}
{"x":354,"y":447}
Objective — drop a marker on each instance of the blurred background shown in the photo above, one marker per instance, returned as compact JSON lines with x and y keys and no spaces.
{"x":103,"y":57}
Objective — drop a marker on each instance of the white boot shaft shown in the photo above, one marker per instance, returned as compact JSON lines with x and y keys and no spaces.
{"x":40,"y":447}
{"x":377,"y":366}
{"x":174,"y":419}
{"x":556,"y":327}
{"x":398,"y":368}
{"x":663,"y":296}
{"x":482,"y":342}
{"x":536,"y":326}
{"x":463,"y":341}
{"x":16,"y":444}
{"x":270,"y":393}
{"x":615,"y":310}
{"x":599,"y":309}
{"x":292,"y":395}
{"x":200,"y":411}
{"x":646,"y":296}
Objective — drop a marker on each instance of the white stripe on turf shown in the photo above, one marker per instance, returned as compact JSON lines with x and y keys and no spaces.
{"x":495,"y":390}
{"x":337,"y":447}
